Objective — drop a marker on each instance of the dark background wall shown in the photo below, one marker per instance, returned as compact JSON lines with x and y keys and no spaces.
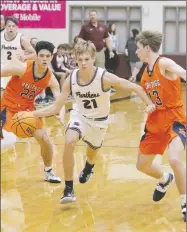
{"x":123,"y":69}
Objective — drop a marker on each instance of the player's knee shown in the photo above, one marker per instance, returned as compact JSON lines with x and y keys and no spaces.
{"x":71,"y":142}
{"x":174,"y":162}
{"x":139,"y":166}
{"x":142,"y":166}
{"x":42,"y":137}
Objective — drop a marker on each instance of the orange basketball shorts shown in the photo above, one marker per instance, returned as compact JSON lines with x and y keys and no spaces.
{"x":161,"y":127}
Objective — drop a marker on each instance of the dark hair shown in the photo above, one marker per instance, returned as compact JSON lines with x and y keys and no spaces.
{"x":135,"y":32}
{"x":44,"y":45}
{"x":12,"y":19}
{"x":110,"y":28}
{"x":62,"y":46}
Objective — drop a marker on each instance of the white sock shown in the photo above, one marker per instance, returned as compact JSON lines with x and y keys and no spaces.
{"x":46,"y":169}
{"x":183,"y":199}
{"x":164,"y":178}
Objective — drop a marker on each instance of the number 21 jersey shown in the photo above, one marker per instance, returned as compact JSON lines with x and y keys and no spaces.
{"x":91,"y":100}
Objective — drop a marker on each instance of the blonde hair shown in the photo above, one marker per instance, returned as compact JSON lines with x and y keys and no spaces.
{"x":151,"y":38}
{"x":83,"y":46}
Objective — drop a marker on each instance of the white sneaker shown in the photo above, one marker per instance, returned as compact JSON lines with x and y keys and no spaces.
{"x":51,"y":177}
{"x":161,"y":189}
{"x":68,"y":196}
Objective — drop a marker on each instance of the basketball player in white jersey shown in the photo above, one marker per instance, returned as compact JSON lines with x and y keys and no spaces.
{"x":13,"y":45}
{"x":90,"y":87}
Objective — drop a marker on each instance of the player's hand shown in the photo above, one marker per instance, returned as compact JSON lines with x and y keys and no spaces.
{"x":150,"y":108}
{"x":111,"y":54}
{"x":132,"y":79}
{"x":21,"y":57}
{"x":28,"y":113}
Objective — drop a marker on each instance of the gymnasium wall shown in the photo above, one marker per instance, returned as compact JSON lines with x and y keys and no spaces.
{"x":152,"y":18}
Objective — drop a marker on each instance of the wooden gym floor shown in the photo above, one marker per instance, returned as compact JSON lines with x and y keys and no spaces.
{"x":118,"y":198}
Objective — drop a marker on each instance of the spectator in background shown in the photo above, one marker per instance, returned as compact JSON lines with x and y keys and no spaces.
{"x":2,"y":22}
{"x":58,"y":64}
{"x":71,"y":60}
{"x":130,"y":51}
{"x":112,"y":63}
{"x":97,"y":33}
{"x":77,"y":40}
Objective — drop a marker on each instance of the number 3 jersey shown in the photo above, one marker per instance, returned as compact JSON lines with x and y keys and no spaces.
{"x":91,"y":100}
{"x":20,"y":92}
{"x":8,"y":50}
{"x":165,"y":93}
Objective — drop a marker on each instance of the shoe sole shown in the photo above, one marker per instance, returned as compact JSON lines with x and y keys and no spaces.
{"x":86,"y":180}
{"x":67,"y":200}
{"x":52,"y":181}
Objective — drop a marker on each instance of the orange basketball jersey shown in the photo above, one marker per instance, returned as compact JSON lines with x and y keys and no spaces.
{"x":166,"y":94}
{"x":20,"y":92}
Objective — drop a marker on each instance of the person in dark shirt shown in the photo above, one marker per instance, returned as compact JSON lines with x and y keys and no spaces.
{"x":130,"y":51}
{"x":97,"y":32}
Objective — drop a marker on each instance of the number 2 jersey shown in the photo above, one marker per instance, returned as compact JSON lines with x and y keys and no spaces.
{"x":8,"y":50}
{"x":167,"y":96}
{"x":20,"y":92}
{"x":91,"y":100}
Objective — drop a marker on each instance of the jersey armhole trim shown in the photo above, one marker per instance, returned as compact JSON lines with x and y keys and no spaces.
{"x":71,"y":81}
{"x":102,"y":84}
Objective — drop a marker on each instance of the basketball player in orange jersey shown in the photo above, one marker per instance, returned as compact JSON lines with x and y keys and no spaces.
{"x":166,"y":126}
{"x":90,"y":87}
{"x":28,"y":80}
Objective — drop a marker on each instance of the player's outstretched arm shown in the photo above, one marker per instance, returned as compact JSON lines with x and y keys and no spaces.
{"x":28,"y":47}
{"x":122,"y":84}
{"x":167,"y":64}
{"x":12,"y":68}
{"x":57,"y":105}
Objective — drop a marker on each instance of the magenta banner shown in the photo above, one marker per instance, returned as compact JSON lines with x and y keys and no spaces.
{"x":36,"y":14}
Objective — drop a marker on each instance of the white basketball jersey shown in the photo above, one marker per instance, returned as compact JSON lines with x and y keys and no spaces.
{"x":91,"y":100}
{"x":8,"y":50}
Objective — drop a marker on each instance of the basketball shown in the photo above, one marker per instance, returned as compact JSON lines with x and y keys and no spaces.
{"x":24,"y":126}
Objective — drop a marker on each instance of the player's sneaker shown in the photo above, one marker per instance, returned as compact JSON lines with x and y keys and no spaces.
{"x":49,"y":176}
{"x":68,"y":196}
{"x":184,"y":212}
{"x":161,"y":189}
{"x":85,"y":176}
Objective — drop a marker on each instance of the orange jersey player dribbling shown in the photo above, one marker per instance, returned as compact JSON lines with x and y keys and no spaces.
{"x":23,"y":90}
{"x":166,"y":126}
{"x":28,"y":80}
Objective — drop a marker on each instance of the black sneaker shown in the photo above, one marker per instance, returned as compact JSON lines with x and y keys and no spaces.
{"x":161,"y":189}
{"x":184,"y":212}
{"x":68,"y":196}
{"x":84,"y":176}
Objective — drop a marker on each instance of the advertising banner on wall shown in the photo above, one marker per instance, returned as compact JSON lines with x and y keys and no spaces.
{"x":36,"y":14}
